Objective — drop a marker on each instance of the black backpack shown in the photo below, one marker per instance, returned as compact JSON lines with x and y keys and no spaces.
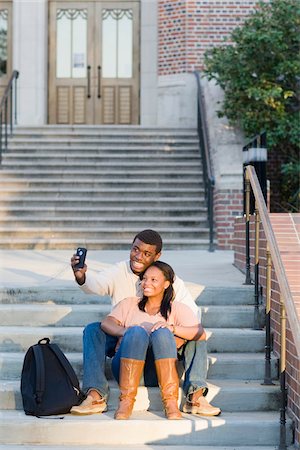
{"x":49,"y":384}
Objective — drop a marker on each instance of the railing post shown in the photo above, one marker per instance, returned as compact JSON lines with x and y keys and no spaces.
{"x":247,"y":215}
{"x":268,"y":374}
{"x":256,"y":271}
{"x":282,"y":442}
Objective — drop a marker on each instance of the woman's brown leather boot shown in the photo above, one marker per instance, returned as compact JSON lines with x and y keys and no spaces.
{"x":130,"y":374}
{"x":169,"y":386}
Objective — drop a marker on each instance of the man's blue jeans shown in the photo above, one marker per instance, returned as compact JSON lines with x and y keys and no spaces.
{"x":137,"y":343}
{"x":97,"y":345}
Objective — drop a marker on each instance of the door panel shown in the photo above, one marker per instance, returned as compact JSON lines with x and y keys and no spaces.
{"x":94,"y":62}
{"x":5,"y":44}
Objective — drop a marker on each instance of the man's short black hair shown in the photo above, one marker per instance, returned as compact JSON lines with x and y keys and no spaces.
{"x":150,"y":237}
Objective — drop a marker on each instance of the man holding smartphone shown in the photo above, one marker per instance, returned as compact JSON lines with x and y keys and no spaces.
{"x":121,"y":281}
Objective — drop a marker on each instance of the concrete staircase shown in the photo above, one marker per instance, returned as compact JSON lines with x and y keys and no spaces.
{"x":250,"y":417}
{"x":67,"y":186}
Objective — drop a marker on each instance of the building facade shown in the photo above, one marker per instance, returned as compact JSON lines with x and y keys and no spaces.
{"x":121,"y":63}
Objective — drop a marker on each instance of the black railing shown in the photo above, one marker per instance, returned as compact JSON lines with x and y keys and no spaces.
{"x":209,"y":181}
{"x":8,"y":111}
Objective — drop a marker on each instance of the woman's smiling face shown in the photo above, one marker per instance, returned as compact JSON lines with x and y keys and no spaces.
{"x":154,"y":282}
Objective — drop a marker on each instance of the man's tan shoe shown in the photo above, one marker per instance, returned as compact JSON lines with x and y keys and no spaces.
{"x":90,"y":406}
{"x":200,"y":407}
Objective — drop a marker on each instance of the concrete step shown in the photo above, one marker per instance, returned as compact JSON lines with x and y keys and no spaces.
{"x":92,"y":158}
{"x":221,"y":366}
{"x":102,"y":223}
{"x":101,"y":165}
{"x":101,"y":201}
{"x":133,"y":447}
{"x":53,"y":192}
{"x":108,"y":212}
{"x":115,"y":243}
{"x":90,"y":184}
{"x":70,"y":338}
{"x":97,"y":232}
{"x":229,"y":395}
{"x":205,"y":296}
{"x":32,"y":173}
{"x":80,"y":315}
{"x":255,"y":428}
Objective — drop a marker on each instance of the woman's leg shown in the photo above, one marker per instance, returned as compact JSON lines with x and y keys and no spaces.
{"x":165,"y":354}
{"x":130,"y":359}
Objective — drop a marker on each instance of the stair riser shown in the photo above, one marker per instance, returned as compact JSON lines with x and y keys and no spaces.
{"x":218,"y":369}
{"x":83,"y":211}
{"x":96,"y":176}
{"x":95,"y":184}
{"x":51,"y":244}
{"x":115,"y":193}
{"x":240,"y":400}
{"x":110,"y":432}
{"x":68,"y":316}
{"x":207,"y":297}
{"x":67,"y":234}
{"x":70,"y":339}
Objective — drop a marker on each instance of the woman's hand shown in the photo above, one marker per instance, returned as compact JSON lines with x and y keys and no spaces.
{"x":161,"y":324}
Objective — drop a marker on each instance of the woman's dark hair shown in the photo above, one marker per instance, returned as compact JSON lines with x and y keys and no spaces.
{"x":166,"y":304}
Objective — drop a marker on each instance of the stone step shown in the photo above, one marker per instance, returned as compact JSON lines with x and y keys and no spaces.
{"x":132,"y":447}
{"x":90,"y":184}
{"x":35,"y":148}
{"x":100,"y":222}
{"x":93,"y":158}
{"x":103,"y":165}
{"x":143,"y":428}
{"x":221,"y":366}
{"x":114,"y":191}
{"x":32,"y":173}
{"x":70,"y":338}
{"x":97,"y":232}
{"x":41,"y":315}
{"x":205,"y":296}
{"x":42,"y":243}
{"x":108,"y":212}
{"x":229,"y":395}
{"x":22,"y":199}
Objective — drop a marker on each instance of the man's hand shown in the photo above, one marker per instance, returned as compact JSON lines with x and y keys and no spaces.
{"x":79,"y":274}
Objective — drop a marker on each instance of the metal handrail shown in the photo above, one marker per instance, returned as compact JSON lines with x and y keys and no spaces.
{"x":8,"y":102}
{"x":209,"y":181}
{"x":286,"y":300}
{"x":275,"y":255}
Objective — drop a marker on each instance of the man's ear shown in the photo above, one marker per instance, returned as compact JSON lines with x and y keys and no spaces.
{"x":157,"y":256}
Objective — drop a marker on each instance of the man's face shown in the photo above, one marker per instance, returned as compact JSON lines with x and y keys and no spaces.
{"x":141,"y":256}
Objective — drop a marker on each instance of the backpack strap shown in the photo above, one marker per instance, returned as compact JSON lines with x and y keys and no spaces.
{"x":40,"y":372}
{"x":66,"y":365}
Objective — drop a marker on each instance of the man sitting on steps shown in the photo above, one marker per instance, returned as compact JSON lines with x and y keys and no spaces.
{"x":121,"y":281}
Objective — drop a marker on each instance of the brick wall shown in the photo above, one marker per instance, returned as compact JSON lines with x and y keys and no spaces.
{"x":187,"y":28}
{"x":292,"y":361}
{"x":228,"y":204}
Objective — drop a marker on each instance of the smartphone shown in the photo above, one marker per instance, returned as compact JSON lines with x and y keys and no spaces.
{"x":81,"y":252}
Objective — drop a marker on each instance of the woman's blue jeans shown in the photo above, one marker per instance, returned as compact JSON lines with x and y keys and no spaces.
{"x":97,"y":345}
{"x":137,"y":343}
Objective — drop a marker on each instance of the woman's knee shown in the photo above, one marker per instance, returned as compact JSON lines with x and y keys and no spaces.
{"x":136,"y":334}
{"x":163,"y":344}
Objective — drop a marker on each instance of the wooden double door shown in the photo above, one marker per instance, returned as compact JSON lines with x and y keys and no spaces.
{"x":94,"y":57}
{"x":5,"y":44}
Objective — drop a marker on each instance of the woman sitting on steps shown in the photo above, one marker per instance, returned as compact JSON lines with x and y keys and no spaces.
{"x":149,"y":325}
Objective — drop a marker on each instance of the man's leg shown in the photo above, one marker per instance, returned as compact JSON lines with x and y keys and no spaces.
{"x":195,"y":385}
{"x":95,"y":385}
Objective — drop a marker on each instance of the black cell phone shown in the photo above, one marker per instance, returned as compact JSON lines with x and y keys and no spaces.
{"x":81,"y":252}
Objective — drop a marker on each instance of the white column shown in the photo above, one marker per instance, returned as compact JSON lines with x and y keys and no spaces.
{"x":149,"y":95}
{"x":30,"y":58}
